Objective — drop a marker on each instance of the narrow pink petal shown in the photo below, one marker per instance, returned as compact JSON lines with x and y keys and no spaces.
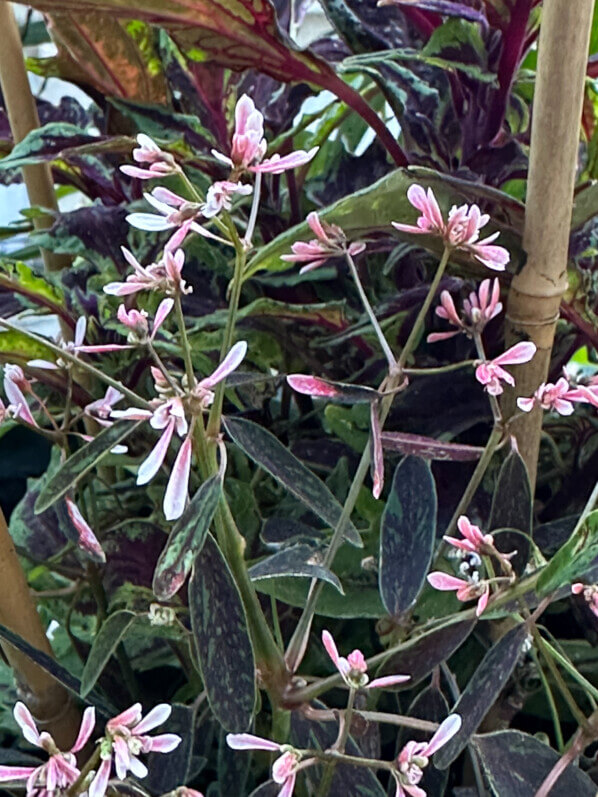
{"x":526,"y":404}
{"x":388,"y":680}
{"x":433,"y":210}
{"x":563,"y":407}
{"x":98,"y":785}
{"x":149,"y":222}
{"x":277,"y":164}
{"x":87,"y":539}
{"x":417,"y":196}
{"x":464,"y":545}
{"x":436,"y":337}
{"x":163,"y":743}
{"x":246,"y":741}
{"x":175,"y":496}
{"x":482,"y":602}
{"x":26,"y":723}
{"x":151,"y":464}
{"x":232,"y":361}
{"x":165,"y":197}
{"x":15,"y":773}
{"x":316,"y":226}
{"x":132,"y":414}
{"x":135,"y":171}
{"x":121,"y":756}
{"x":312,"y":265}
{"x":51,"y":775}
{"x":288,"y":786}
{"x":577,"y":588}
{"x":137,"y":767}
{"x":494,"y":257}
{"x":46,"y":364}
{"x":409,"y":228}
{"x":128,"y":717}
{"x":519,"y":353}
{"x":87,"y":725}
{"x":158,"y":715}
{"x":103,"y":348}
{"x":445,"y":582}
{"x":330,"y":645}
{"x":124,"y":288}
{"x":18,"y":400}
{"x":448,"y":728}
{"x":162,"y":312}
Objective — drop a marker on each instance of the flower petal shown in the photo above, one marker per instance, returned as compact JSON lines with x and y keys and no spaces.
{"x":26,"y":723}
{"x":87,"y":725}
{"x":387,"y":680}
{"x":163,"y":743}
{"x":445,"y":582}
{"x":151,"y":464}
{"x":177,"y":488}
{"x":98,"y":785}
{"x":232,"y":361}
{"x":448,"y":728}
{"x":331,"y":649}
{"x":247,"y":741}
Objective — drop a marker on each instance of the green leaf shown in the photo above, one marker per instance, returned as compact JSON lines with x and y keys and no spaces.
{"x":19,"y":346}
{"x":46,"y":143}
{"x":82,"y":462}
{"x":186,"y":539}
{"x":483,"y":688}
{"x":573,"y":559}
{"x":297,"y":561}
{"x":221,"y":639}
{"x":408,"y":534}
{"x":106,"y":641}
{"x":270,"y":454}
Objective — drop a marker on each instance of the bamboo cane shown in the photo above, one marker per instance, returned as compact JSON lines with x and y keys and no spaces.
{"x":23,"y":117}
{"x":536,"y":291}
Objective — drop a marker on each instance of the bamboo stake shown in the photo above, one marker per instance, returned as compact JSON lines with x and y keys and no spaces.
{"x":22,"y":115}
{"x":47,"y":700}
{"x":536,"y":291}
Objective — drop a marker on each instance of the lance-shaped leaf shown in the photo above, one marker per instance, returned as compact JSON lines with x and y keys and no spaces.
{"x":298,"y":561}
{"x":333,"y":391}
{"x":407,"y":535}
{"x":573,"y":559}
{"x":270,"y":454}
{"x":516,"y":765}
{"x":186,"y":539}
{"x":82,"y":462}
{"x":512,"y":506}
{"x":482,"y":690}
{"x":105,"y":642}
{"x":221,"y":639}
{"x":419,"y":657}
{"x":429,"y":448}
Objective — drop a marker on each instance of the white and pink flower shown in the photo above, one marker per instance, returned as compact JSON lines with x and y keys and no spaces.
{"x":478,"y":310}
{"x":220,"y":195}
{"x":125,"y":739}
{"x":284,"y":769}
{"x":415,"y":757}
{"x":471,"y":589}
{"x":163,"y":277}
{"x":474,"y":541}
{"x":137,"y":324}
{"x":60,"y":772}
{"x":490,"y":373}
{"x":330,"y":241}
{"x":159,"y":163}
{"x":353,"y":669}
{"x":548,"y":396}
{"x":590,"y":594}
{"x":461,"y":231}
{"x":16,"y":385}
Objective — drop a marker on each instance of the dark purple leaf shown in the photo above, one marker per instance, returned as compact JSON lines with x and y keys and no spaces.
{"x":449,"y":9}
{"x":512,"y":505}
{"x":407,"y":535}
{"x":516,"y":764}
{"x":429,"y":448}
{"x":281,"y":530}
{"x":269,"y":453}
{"x":132,"y":550}
{"x":298,"y":561}
{"x":221,"y":639}
{"x":419,"y":657}
{"x":186,"y":539}
{"x":483,"y":688}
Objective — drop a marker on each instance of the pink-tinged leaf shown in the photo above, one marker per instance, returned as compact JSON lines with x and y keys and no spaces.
{"x":387,"y":680}
{"x":151,"y":464}
{"x":247,"y":741}
{"x":429,"y":448}
{"x":175,"y":496}
{"x":336,"y":391}
{"x":231,"y":362}
{"x":87,"y":539}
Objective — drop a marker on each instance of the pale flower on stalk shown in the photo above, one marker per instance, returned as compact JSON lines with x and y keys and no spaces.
{"x":163,"y":277}
{"x":474,"y":541}
{"x":467,"y":590}
{"x":220,"y":195}
{"x":15,"y":386}
{"x":159,"y":163}
{"x":60,"y":772}
{"x":125,"y":739}
{"x":490,"y":373}
{"x":461,"y":231}
{"x":551,"y":397}
{"x":100,"y":409}
{"x":353,"y":669}
{"x":330,"y":241}
{"x":478,"y":310}
{"x":136,"y":321}
{"x":284,"y":769}
{"x":415,"y":757}
{"x":249,"y":145}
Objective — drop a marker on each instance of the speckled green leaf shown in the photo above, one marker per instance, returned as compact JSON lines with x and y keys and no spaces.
{"x":82,"y":462}
{"x":275,"y":459}
{"x":408,"y":534}
{"x":295,"y":562}
{"x":483,"y":688}
{"x":105,"y":642}
{"x":186,"y":539}
{"x":221,"y":639}
{"x":573,"y":559}
{"x":516,"y":765}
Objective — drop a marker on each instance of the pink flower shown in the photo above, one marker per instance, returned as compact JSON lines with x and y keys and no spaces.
{"x":354,"y":668}
{"x":478,"y":309}
{"x":490,"y":373}
{"x":585,"y":393}
{"x":87,"y":539}
{"x":75,"y":347}
{"x":125,"y":738}
{"x":160,"y":163}
{"x":202,"y":395}
{"x":249,"y":145}
{"x":101,"y":408}
{"x":466,"y":590}
{"x":15,"y":387}
{"x":461,"y":231}
{"x":414,"y":758}
{"x":60,"y":771}
{"x":330,"y":241}
{"x":163,"y":277}
{"x":136,"y":320}
{"x":219,"y":196}
{"x":284,"y":769}
{"x":590,"y":594}
{"x":551,"y":397}
{"x":475,"y":541}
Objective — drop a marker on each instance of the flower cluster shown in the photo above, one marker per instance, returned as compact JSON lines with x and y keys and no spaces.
{"x":330,"y":241}
{"x":491,"y":374}
{"x":481,"y":307}
{"x":353,"y":669}
{"x":415,"y":757}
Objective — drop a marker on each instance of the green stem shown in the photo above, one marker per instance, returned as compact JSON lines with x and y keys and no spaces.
{"x":442,"y":369}
{"x":392,"y":363}
{"x":571,"y":669}
{"x":554,"y":712}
